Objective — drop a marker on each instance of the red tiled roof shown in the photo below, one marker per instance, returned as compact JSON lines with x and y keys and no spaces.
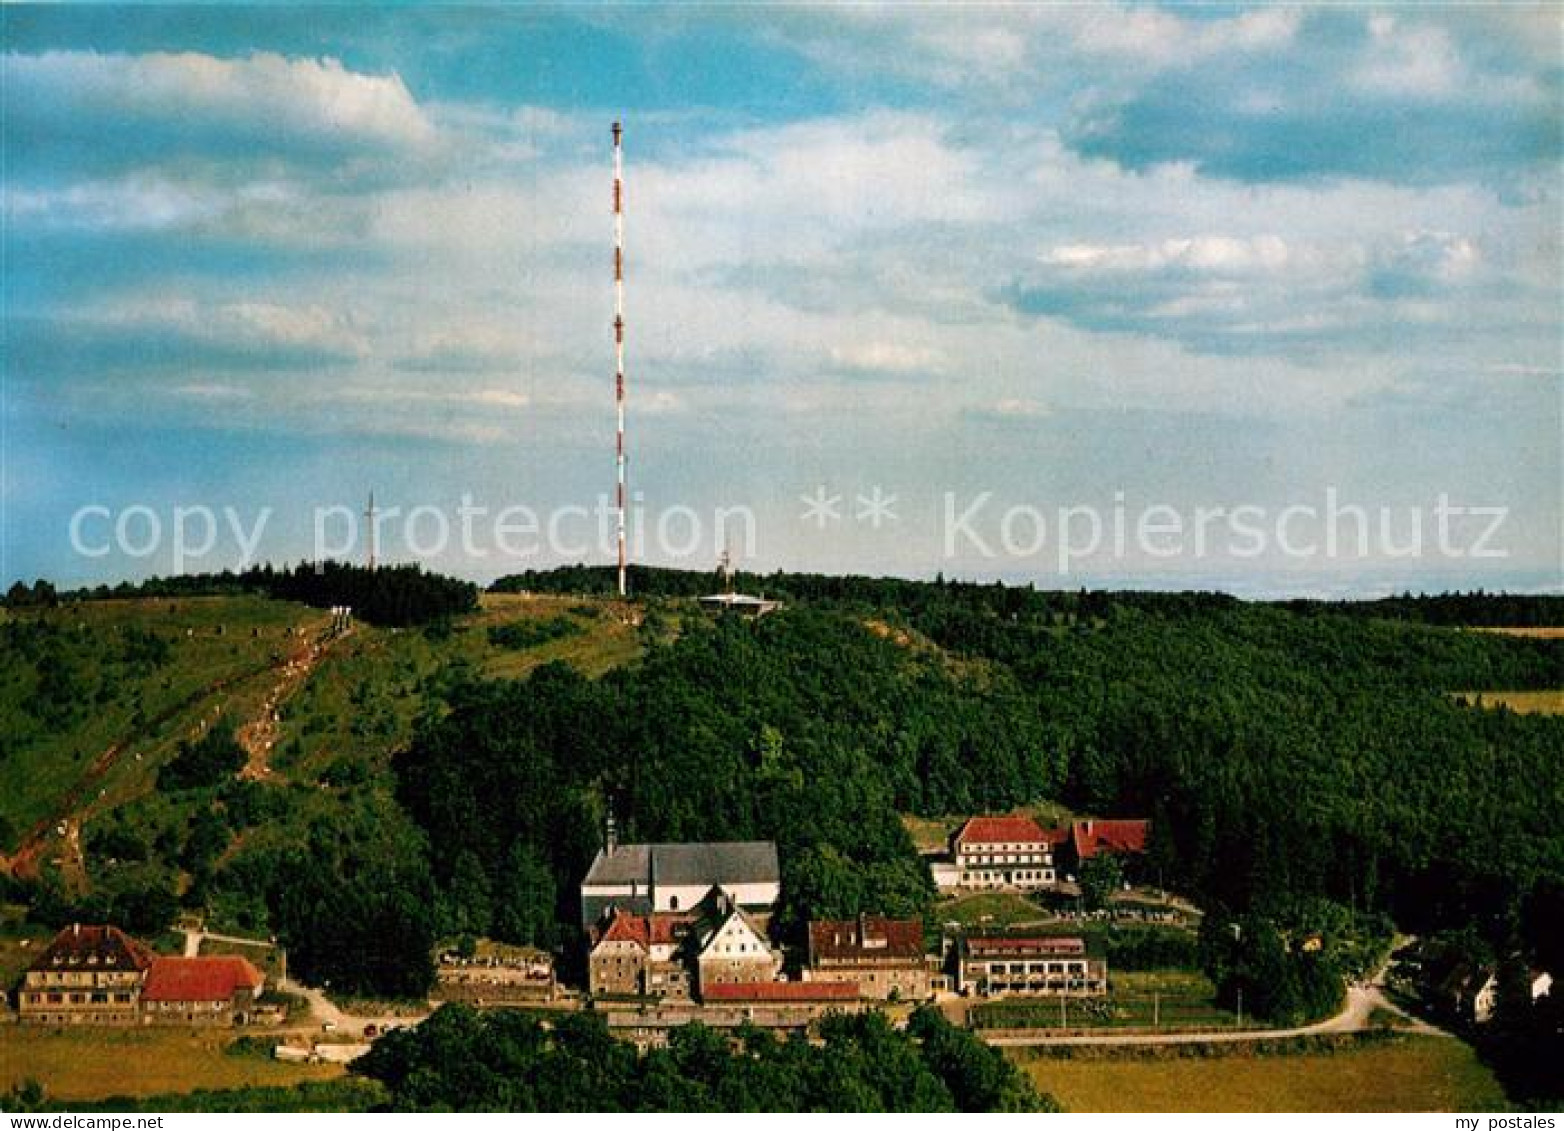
{"x":645,"y":931}
{"x":94,"y":948}
{"x":1001,"y":830}
{"x":1095,"y":836}
{"x":867,"y":937}
{"x":215,"y":978}
{"x":625,"y":927}
{"x":781,"y":991}
{"x":1025,"y":944}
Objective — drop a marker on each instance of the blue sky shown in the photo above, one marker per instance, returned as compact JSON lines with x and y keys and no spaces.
{"x":1053,"y":256}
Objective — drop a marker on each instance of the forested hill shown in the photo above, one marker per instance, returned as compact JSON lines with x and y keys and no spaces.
{"x":453,"y":780}
{"x":1282,"y":755}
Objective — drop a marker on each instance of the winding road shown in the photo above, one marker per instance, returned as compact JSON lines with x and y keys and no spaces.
{"x":1363,"y":998}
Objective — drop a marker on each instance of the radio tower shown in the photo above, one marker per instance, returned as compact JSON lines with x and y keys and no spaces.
{"x":619,"y":345}
{"x":369,"y":514}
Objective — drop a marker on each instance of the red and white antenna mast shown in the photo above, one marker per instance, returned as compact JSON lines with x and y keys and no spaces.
{"x":619,"y":345}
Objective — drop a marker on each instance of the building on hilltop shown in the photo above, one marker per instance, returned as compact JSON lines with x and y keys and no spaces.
{"x":674,"y":878}
{"x":1014,"y":852}
{"x":731,"y":947}
{"x":99,"y":975}
{"x":676,"y":955}
{"x":883,"y":957}
{"x":640,"y":956}
{"x":216,"y":990}
{"x":1092,"y":837}
{"x":88,"y":974}
{"x":1028,"y":964}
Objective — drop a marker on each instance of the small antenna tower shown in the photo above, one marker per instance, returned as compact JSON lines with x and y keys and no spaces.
{"x":369,"y":516}
{"x":619,"y":345}
{"x":725,"y":567}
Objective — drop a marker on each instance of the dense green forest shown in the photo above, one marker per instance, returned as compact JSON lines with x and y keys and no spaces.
{"x":463,"y":1060}
{"x":397,"y":595}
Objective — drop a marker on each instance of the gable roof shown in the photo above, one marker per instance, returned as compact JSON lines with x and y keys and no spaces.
{"x":724,"y":913}
{"x":94,"y":948}
{"x":781,"y":991}
{"x":716,"y":863}
{"x":625,"y":927}
{"x":867,"y":937}
{"x":1001,"y":830}
{"x":645,"y":931}
{"x":1092,"y":837}
{"x":214,"y":978}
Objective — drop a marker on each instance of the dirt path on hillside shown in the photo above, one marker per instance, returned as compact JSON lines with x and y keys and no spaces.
{"x":258,"y":736}
{"x":23,"y":863}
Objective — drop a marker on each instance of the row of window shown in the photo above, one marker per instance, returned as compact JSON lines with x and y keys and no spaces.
{"x":1019,"y":876}
{"x":77,"y":999}
{"x":975,"y":860}
{"x":79,"y":978}
{"x":1081,"y":968}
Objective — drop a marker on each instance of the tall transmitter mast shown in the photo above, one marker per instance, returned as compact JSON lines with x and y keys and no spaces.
{"x":619,"y":345}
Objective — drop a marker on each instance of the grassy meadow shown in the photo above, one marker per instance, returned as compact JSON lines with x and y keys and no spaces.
{"x":1408,"y":1074}
{"x":92,"y":1063}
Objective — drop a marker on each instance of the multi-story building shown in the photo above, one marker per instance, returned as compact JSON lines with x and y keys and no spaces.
{"x":668,"y":955}
{"x":731,"y":948}
{"x":99,"y":975}
{"x":87,"y":975}
{"x":883,"y":957}
{"x":1029,"y":964}
{"x":1014,"y":852}
{"x":641,"y":956}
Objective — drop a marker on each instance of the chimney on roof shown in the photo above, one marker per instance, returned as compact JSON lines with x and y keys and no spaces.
{"x":76,"y":930}
{"x":610,"y":834}
{"x":1088,"y":826}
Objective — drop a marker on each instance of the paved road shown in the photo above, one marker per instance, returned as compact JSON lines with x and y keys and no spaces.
{"x":1363,"y":998}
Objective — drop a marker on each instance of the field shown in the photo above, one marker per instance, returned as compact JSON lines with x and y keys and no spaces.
{"x":989,"y":909}
{"x":1412,"y":1074}
{"x":88,"y":1064}
{"x":1521,"y":702}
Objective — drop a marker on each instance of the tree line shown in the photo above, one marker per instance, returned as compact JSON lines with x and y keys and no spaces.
{"x":505,"y":1060}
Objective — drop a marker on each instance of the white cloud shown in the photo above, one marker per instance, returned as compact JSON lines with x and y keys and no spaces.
{"x":313,"y":99}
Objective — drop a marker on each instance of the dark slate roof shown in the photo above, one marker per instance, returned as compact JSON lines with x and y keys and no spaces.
{"x":733,"y":862}
{"x":94,"y":948}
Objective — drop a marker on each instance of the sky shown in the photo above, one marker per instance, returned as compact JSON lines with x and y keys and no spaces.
{"x":1014,"y":292}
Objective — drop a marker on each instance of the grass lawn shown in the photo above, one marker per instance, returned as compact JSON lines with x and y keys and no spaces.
{"x":1521,"y":702}
{"x":1410,"y":1074}
{"x":989,"y":909}
{"x":88,"y":1063}
{"x":1169,"y":1000}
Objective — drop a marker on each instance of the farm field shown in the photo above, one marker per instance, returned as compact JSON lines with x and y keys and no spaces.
{"x":1413,"y":1074}
{"x":93,"y":1063}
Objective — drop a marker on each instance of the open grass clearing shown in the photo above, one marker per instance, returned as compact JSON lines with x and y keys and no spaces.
{"x":1407,"y":1074}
